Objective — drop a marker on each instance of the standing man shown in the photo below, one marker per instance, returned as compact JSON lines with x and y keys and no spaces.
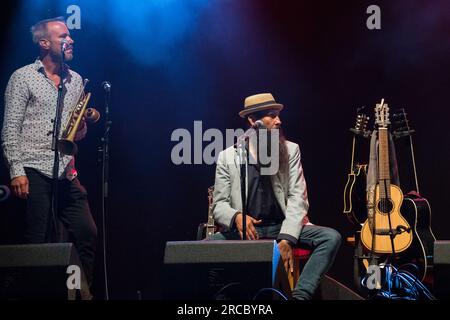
{"x":277,"y":204}
{"x":30,"y":106}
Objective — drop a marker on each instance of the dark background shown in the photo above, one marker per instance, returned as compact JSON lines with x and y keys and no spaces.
{"x":173,"y":62}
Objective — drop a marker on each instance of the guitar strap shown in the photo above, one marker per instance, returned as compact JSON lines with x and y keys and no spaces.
{"x":372,"y":176}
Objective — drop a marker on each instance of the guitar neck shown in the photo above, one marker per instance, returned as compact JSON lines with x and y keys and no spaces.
{"x":383,"y":163}
{"x":352,"y":164}
{"x":412,"y":153}
{"x":210,"y":219}
{"x":210,"y":225}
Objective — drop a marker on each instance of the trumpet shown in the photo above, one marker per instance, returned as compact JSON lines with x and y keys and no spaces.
{"x":66,"y":144}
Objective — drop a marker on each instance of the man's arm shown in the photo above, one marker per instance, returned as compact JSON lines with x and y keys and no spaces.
{"x":223,"y":213}
{"x":297,"y":200}
{"x":296,"y":209}
{"x":16,"y":99}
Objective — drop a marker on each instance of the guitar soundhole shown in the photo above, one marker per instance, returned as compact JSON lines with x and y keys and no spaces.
{"x":385,"y":206}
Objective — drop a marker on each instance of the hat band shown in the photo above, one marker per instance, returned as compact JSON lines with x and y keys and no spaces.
{"x":261,"y":104}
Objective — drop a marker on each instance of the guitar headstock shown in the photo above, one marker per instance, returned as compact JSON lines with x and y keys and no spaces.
{"x":361,"y":123}
{"x":400,"y":124}
{"x":382,"y":114}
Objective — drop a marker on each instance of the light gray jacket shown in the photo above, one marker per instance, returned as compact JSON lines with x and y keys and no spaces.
{"x":290,"y":191}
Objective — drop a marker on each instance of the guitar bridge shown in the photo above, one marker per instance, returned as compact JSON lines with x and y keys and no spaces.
{"x":388,"y":232}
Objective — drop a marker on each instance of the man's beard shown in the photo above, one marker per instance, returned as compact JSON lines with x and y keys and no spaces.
{"x":282,"y":157}
{"x":56,"y":56}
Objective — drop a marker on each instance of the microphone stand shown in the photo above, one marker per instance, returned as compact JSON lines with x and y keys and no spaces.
{"x":243,"y":155}
{"x":104,"y":149}
{"x":52,"y":233}
{"x":243,"y":161}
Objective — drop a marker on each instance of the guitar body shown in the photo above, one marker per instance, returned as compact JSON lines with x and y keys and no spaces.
{"x":417,"y":212}
{"x":380,"y":241}
{"x":354,"y":201}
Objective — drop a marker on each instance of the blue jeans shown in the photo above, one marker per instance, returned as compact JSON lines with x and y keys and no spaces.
{"x":324,"y":243}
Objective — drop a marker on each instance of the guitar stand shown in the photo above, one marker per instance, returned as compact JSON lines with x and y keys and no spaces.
{"x":361,"y":262}
{"x":393,"y":284}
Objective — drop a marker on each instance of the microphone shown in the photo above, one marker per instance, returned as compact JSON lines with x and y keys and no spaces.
{"x":4,"y":192}
{"x":106,"y":86}
{"x":64,"y":45}
{"x":258,"y":124}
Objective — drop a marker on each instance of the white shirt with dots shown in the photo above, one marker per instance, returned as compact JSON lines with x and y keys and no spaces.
{"x":30,"y":105}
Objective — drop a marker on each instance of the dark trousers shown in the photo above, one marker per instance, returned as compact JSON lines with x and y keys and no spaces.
{"x":73,"y":212}
{"x":324,"y":243}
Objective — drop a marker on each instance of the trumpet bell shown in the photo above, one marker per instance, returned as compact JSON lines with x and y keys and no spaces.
{"x":91,"y":115}
{"x":67,"y":147}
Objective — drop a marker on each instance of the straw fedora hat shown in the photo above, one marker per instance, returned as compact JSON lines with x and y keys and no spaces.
{"x":259,"y":102}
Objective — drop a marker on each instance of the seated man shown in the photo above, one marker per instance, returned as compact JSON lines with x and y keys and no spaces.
{"x":277,"y":204}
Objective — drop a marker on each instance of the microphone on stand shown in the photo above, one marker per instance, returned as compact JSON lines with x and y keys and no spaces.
{"x":104,"y":151}
{"x":64,"y":45}
{"x":106,"y":86}
{"x":258,"y":124}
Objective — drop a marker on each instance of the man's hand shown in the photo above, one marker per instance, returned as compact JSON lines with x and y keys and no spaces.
{"x":82,"y":123}
{"x":287,"y":255}
{"x":82,"y":130}
{"x":19,"y":186}
{"x":250,"y":226}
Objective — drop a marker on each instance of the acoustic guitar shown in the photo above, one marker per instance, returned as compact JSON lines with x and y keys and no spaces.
{"x":417,"y":211}
{"x":385,"y":231}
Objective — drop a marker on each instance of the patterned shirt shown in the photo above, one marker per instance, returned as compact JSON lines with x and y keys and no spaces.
{"x":30,"y":106}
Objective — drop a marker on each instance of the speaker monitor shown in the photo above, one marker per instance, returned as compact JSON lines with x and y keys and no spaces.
{"x":234,"y":270}
{"x":222,"y":269}
{"x":39,"y":271}
{"x":441,"y":269}
{"x":331,"y":289}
